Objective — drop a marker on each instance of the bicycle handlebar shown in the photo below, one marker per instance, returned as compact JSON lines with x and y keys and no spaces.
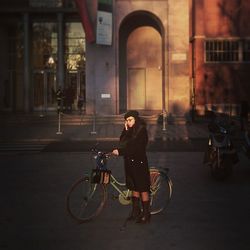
{"x":102,"y":154}
{"x":101,"y":158}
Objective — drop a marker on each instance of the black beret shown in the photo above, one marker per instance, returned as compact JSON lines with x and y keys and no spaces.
{"x":132,"y":113}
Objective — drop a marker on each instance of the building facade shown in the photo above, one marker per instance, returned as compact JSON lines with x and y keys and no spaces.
{"x":220,"y":51}
{"x":43,"y":48}
{"x":161,"y":56}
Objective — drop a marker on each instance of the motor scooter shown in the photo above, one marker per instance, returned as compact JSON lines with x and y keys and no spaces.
{"x":246,"y":144}
{"x":220,"y":155}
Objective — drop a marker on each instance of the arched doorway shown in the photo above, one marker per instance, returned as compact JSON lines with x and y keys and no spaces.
{"x":141,"y":63}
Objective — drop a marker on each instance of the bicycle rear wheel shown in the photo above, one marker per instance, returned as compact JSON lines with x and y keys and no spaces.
{"x":160,"y":190}
{"x":85,"y":200}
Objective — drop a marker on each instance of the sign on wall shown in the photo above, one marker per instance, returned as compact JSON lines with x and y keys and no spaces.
{"x":45,"y":3}
{"x":104,"y":22}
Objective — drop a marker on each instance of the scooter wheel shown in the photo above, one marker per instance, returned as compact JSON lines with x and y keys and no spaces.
{"x":221,"y":171}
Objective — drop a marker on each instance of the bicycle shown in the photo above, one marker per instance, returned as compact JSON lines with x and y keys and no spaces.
{"x":87,"y":196}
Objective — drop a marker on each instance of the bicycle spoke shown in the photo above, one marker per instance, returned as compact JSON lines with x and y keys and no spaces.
{"x":160,"y":191}
{"x":85,"y":200}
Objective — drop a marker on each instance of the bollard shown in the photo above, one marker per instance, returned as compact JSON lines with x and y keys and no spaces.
{"x":164,"y":116}
{"x":93,"y":132}
{"x":59,"y":132}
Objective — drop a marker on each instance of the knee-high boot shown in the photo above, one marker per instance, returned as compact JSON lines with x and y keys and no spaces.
{"x":136,"y":209}
{"x":145,"y":217}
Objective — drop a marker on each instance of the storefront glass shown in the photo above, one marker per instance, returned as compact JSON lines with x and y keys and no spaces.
{"x":13,"y":83}
{"x":75,"y":65}
{"x":74,"y":46}
{"x":44,"y":45}
{"x":44,"y":61}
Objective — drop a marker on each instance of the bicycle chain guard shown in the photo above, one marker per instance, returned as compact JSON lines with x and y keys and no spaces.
{"x":123,"y":200}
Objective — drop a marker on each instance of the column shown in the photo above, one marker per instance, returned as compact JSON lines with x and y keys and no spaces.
{"x":60,"y":52}
{"x":26,"y":43}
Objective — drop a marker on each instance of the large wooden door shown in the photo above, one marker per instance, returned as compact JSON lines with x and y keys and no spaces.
{"x":144,"y":75}
{"x":136,"y":88}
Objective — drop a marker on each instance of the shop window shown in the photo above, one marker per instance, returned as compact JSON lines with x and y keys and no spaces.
{"x":75,"y":46}
{"x":44,"y":45}
{"x":12,"y":46}
{"x":15,"y":48}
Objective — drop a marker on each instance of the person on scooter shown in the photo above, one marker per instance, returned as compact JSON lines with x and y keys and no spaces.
{"x":132,"y":147}
{"x":244,"y":109}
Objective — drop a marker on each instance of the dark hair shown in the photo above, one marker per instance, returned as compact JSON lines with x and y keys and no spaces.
{"x":132,"y":113}
{"x":139,"y":123}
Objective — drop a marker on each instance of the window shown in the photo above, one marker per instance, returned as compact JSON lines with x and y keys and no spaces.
{"x":15,"y":48}
{"x":45,"y":3}
{"x":222,"y":51}
{"x":227,"y":50}
{"x":44,"y":45}
{"x":75,"y":46}
{"x":246,"y":51}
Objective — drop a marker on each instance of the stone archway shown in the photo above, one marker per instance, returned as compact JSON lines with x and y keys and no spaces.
{"x":144,"y":64}
{"x":141,"y":63}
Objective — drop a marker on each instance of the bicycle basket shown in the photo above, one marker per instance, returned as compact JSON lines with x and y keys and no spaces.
{"x":100,"y":176}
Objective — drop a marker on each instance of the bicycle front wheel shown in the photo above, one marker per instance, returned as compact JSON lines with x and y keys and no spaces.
{"x":160,"y":191}
{"x":85,"y":200}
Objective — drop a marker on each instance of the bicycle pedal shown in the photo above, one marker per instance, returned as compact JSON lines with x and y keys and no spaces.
{"x":115,"y":197}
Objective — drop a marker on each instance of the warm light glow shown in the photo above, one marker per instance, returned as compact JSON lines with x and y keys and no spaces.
{"x":51,"y":61}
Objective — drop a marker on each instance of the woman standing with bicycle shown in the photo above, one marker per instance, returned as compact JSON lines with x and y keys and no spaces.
{"x":133,"y":142}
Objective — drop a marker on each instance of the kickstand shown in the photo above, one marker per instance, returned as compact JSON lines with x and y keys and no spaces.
{"x":124,"y":226}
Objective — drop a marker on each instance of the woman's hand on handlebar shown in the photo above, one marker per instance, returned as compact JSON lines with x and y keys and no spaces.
{"x":115,"y":152}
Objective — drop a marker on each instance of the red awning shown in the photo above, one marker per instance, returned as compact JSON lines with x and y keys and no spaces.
{"x":87,"y":26}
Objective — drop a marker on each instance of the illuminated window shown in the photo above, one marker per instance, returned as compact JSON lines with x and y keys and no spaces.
{"x":75,"y":46}
{"x":44,"y":45}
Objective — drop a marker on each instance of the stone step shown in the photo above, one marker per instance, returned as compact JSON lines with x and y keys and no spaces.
{"x":84,"y":119}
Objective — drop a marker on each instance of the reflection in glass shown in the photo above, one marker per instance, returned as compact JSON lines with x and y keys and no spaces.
{"x":44,"y":86}
{"x":13,"y":83}
{"x":74,"y":46}
{"x":44,"y":45}
{"x":38,"y":90}
{"x":44,"y":60}
{"x":51,"y":90}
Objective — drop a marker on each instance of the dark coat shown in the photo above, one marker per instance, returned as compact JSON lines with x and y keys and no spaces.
{"x":133,"y":143}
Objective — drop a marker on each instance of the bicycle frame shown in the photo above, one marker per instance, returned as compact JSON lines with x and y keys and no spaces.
{"x":100,"y":162}
{"x":83,"y":205}
{"x":126,"y":194}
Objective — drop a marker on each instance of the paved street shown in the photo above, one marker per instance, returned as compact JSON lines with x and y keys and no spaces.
{"x":34,"y":133}
{"x":203,"y":214}
{"x":74,"y":128}
{"x":38,"y":166}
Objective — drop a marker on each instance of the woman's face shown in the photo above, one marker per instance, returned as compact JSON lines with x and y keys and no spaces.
{"x":130,"y":121}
